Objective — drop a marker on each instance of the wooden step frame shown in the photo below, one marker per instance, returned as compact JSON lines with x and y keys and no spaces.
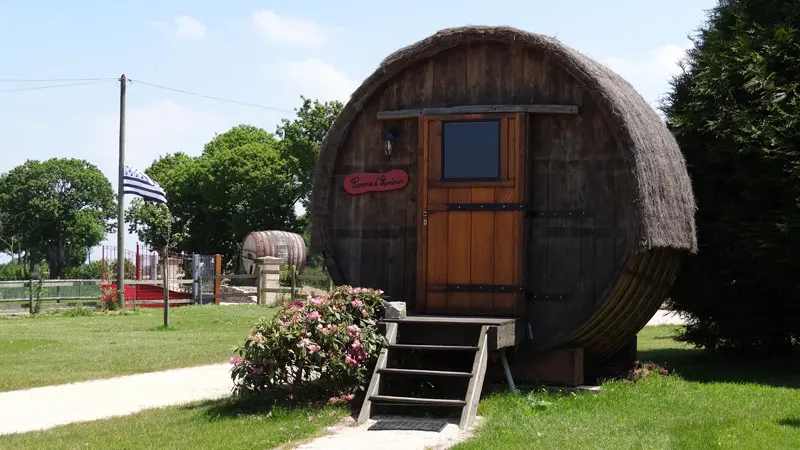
{"x":470,"y":410}
{"x":375,"y":382}
{"x":475,"y":386}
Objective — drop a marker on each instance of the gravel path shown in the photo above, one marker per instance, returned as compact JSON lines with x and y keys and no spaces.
{"x":46,"y":407}
{"x":354,"y":437}
{"x":664,"y":317}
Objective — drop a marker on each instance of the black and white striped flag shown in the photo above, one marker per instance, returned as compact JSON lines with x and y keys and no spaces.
{"x":138,"y":183}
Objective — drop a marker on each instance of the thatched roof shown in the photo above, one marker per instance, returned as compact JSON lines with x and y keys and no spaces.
{"x":665,"y":205}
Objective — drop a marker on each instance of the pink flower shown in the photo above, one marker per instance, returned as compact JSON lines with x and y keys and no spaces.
{"x":319,"y":326}
{"x":349,"y":396}
{"x":356,"y":344}
{"x":350,"y":361}
{"x":313,"y":348}
{"x":257,"y":338}
{"x":235,"y":360}
{"x":317,"y":301}
{"x":378,"y":292}
{"x":298,"y":303}
{"x":356,"y":303}
{"x":353,"y":330}
{"x":314,"y":315}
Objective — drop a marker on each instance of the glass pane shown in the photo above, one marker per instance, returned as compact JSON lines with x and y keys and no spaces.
{"x":471,"y":150}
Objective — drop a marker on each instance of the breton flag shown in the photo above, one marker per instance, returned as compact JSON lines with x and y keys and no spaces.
{"x":138,"y":183}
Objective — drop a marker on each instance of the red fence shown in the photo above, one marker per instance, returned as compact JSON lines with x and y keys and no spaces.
{"x":141,"y":266}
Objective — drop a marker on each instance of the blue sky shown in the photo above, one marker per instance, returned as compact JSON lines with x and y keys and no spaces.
{"x":266,"y":53}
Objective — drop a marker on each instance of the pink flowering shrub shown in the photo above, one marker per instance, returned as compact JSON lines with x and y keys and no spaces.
{"x":330,"y":342}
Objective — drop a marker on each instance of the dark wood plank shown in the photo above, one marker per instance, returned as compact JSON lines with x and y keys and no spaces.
{"x":456,"y":75}
{"x":476,"y":109}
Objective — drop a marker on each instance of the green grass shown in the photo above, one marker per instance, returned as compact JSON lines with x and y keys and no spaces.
{"x":218,"y":424}
{"x":706,"y":402}
{"x":57,"y":348}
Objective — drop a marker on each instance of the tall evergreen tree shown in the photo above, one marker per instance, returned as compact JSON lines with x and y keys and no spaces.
{"x":735,"y":111}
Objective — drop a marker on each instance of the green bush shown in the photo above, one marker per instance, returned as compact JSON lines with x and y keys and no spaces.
{"x":735,"y":112}
{"x":323,"y":347}
{"x":12,"y":272}
{"x":94,"y":271}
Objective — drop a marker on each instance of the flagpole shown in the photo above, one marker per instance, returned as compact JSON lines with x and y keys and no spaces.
{"x":121,"y":197}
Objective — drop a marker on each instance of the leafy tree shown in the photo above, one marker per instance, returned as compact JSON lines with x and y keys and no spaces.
{"x":300,"y":141}
{"x":735,"y":111}
{"x":153,"y":224}
{"x":12,"y":271}
{"x":238,"y":136}
{"x":244,"y":180}
{"x":61,"y":207}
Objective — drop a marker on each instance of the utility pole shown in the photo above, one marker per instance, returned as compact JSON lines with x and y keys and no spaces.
{"x":121,"y":197}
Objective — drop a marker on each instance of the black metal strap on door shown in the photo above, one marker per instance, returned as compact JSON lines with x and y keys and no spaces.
{"x":558,"y":214}
{"x":485,"y":207}
{"x":493,"y":288}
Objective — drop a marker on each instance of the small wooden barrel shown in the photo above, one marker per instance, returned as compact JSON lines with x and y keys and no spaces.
{"x":281,"y":244}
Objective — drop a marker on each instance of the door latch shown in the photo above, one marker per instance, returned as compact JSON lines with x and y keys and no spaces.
{"x":425,"y":220}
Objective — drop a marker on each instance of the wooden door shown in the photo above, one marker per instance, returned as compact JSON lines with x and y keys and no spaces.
{"x":471,"y":215}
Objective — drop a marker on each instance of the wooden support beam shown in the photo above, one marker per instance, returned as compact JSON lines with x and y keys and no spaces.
{"x":477,"y":109}
{"x":475,"y":386}
{"x":217,"y":279}
{"x":375,"y":382}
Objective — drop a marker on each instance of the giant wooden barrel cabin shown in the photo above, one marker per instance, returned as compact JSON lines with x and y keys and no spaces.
{"x":520,"y":179}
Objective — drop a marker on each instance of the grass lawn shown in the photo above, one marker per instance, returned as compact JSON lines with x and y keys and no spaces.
{"x":219,"y":424}
{"x":706,"y":402}
{"x":56,"y":348}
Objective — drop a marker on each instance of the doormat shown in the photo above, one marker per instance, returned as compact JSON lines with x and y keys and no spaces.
{"x":434,"y":425}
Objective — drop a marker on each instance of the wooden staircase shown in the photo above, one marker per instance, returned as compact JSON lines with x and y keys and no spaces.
{"x":466,"y":338}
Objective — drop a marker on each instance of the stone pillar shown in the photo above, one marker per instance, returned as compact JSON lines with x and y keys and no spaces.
{"x":268,"y":270}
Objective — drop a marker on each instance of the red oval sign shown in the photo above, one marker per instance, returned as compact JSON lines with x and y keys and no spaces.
{"x":358,"y":183}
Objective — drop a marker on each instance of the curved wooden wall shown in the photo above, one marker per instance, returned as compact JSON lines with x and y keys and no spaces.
{"x":578,"y":266}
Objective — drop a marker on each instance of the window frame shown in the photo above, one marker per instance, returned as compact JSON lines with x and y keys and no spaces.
{"x":435,"y":150}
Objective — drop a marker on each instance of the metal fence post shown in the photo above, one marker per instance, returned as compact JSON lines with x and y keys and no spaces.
{"x":196,"y":278}
{"x":293,"y":274}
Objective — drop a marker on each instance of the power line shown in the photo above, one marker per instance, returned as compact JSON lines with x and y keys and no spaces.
{"x":52,"y":80}
{"x":85,"y":81}
{"x":209,"y":96}
{"x":53,"y":86}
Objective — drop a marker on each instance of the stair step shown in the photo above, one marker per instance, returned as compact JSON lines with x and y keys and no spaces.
{"x":416,"y":400}
{"x":434,"y":347}
{"x":442,"y":373}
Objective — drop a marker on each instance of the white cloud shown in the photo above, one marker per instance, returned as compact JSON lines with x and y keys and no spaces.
{"x":314,"y":78}
{"x":184,"y":27}
{"x":285,"y":30}
{"x":650,"y":73}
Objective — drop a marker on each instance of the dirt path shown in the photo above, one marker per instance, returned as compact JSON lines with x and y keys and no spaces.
{"x":46,"y":407}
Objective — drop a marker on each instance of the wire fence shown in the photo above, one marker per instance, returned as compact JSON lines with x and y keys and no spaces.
{"x":192,"y":278}
{"x":51,"y":290}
